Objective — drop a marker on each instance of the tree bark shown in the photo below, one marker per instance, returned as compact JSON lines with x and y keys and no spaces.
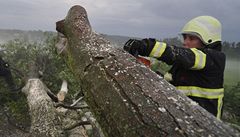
{"x":127,"y":98}
{"x":44,"y":120}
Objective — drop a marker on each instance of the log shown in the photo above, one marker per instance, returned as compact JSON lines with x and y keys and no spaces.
{"x":128,"y":99}
{"x":44,"y":119}
{"x":48,"y":117}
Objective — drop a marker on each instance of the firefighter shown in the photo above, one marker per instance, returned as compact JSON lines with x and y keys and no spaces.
{"x":197,"y":66}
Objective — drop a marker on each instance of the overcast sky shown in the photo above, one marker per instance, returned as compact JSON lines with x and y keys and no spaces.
{"x":138,"y":18}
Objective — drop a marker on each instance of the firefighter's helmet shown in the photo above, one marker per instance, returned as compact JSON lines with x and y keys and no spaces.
{"x":207,"y":28}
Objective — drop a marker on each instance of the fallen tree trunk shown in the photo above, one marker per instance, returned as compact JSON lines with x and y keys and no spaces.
{"x":50,"y":117}
{"x":44,"y":119}
{"x":127,"y":98}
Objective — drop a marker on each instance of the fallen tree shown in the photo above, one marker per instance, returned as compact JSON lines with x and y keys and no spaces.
{"x":44,"y":119}
{"x":44,"y":109}
{"x":127,"y":98}
{"x":50,"y":117}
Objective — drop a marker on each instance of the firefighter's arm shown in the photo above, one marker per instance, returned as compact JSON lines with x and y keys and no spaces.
{"x":189,"y":58}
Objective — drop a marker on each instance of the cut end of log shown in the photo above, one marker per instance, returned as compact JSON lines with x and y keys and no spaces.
{"x":76,"y":22}
{"x":61,"y":96}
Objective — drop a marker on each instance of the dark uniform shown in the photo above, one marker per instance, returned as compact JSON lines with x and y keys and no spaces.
{"x":198,"y":73}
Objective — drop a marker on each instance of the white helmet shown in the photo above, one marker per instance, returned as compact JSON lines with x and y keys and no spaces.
{"x":207,"y":28}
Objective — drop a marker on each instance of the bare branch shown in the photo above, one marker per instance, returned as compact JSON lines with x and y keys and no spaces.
{"x":74,"y":103}
{"x":78,"y":124}
{"x":70,"y":107}
{"x":63,"y":91}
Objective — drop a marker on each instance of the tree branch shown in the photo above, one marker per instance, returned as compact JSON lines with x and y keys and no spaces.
{"x":78,"y":124}
{"x":70,"y":107}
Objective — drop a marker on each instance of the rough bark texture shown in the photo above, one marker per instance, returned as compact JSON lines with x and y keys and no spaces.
{"x":44,"y":120}
{"x":127,"y":98}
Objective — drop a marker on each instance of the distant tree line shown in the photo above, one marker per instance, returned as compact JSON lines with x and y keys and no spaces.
{"x":231,"y":49}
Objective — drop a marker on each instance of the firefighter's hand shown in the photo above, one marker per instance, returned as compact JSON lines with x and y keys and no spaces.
{"x":134,"y":47}
{"x":137,"y":47}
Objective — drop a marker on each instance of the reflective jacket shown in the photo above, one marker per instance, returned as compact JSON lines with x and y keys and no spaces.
{"x":198,"y":73}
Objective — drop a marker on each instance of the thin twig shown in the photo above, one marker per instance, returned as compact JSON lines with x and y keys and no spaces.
{"x":74,"y":103}
{"x":78,"y":124}
{"x":70,"y":107}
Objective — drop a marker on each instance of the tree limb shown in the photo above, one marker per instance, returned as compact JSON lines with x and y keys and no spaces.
{"x":63,"y":91}
{"x":82,"y":123}
{"x":70,"y":107}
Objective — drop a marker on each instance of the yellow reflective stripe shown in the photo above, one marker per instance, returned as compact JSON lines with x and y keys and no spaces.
{"x":201,"y":92}
{"x":158,"y":49}
{"x":219,"y":111}
{"x":205,"y":93}
{"x":200,"y":59}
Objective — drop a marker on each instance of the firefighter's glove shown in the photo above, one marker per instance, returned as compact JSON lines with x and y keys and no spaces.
{"x":139,"y":47}
{"x":134,"y":47}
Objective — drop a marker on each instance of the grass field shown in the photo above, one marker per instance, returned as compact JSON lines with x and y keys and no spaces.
{"x":232,"y":72}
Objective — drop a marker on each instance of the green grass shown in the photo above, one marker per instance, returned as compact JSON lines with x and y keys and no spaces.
{"x":232,"y":72}
{"x":232,"y":94}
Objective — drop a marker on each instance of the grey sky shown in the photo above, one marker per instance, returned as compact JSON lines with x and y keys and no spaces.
{"x":138,"y":18}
